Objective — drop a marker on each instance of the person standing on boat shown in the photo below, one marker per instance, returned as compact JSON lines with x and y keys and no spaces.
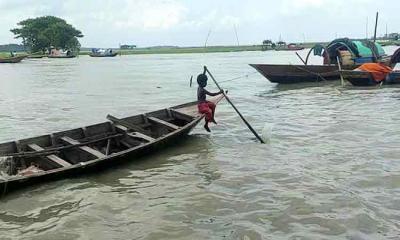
{"x":205,"y":107}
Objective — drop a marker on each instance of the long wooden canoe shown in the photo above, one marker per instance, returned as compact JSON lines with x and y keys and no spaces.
{"x":289,"y":74}
{"x":105,"y":144}
{"x":15,"y":59}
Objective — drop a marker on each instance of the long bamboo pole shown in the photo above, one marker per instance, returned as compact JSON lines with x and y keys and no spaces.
{"x":233,"y":106}
{"x":376,"y":25}
{"x":340,"y":71}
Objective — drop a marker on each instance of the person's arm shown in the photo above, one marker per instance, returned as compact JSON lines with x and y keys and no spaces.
{"x":212,"y":94}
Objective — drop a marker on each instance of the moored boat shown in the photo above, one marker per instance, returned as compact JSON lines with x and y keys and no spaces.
{"x":103,"y":53}
{"x":61,"y":56}
{"x":351,"y":54}
{"x":289,"y":47}
{"x":57,"y":53}
{"x":371,"y":74}
{"x":80,"y":150}
{"x":13,"y":59}
{"x":290,"y":74}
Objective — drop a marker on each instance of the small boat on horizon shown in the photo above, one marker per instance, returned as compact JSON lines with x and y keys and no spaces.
{"x":59,"y":53}
{"x":281,"y":46}
{"x":103,"y":53}
{"x":71,"y":152}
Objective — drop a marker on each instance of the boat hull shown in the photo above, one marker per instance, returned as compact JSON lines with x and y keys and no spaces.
{"x":71,"y":56}
{"x":12,"y":59}
{"x":182,"y":119}
{"x":365,"y":79}
{"x":291,"y":74}
{"x":103,"y":55}
{"x":77,"y":170}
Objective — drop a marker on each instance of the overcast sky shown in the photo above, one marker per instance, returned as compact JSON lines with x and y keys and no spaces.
{"x":108,"y":23}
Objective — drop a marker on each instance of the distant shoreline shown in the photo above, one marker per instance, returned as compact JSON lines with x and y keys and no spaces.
{"x":185,"y":50}
{"x":182,"y":50}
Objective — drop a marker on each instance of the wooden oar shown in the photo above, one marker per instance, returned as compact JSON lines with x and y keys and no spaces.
{"x":230,"y":102}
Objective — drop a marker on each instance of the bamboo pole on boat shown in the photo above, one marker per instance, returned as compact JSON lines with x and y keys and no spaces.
{"x":340,"y":71}
{"x":233,"y":106}
{"x":301,"y":58}
{"x":376,"y":25}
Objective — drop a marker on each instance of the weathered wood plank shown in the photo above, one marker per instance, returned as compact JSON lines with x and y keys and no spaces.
{"x":141,"y":136}
{"x":180,"y":115}
{"x":87,"y":149}
{"x":165,"y":123}
{"x":134,"y":134}
{"x":49,"y":151}
{"x":51,"y":157}
{"x":125,"y":123}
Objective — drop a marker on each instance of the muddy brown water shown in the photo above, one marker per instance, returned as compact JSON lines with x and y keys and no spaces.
{"x":331,"y":169}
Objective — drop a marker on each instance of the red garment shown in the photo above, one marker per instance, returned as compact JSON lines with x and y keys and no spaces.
{"x":378,"y":70}
{"x":208,"y":109}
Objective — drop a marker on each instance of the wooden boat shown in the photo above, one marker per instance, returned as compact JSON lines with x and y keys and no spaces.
{"x":105,"y":144}
{"x":289,"y":47}
{"x":34,"y":56}
{"x":103,"y":55}
{"x":61,"y":56}
{"x":363,"y":78}
{"x":15,"y":59}
{"x":289,"y":74}
{"x":351,"y":54}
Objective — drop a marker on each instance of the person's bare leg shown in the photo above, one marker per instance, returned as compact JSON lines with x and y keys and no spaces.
{"x":206,"y":127}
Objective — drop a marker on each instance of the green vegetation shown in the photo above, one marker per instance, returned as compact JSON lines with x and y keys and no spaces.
{"x":179,"y":50}
{"x":42,"y":33}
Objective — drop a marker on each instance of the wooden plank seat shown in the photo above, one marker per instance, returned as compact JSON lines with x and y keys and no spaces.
{"x":87,"y":149}
{"x":164,"y":123}
{"x":136,"y":135}
{"x":125,"y":123}
{"x":180,"y":115}
{"x":54,"y":158}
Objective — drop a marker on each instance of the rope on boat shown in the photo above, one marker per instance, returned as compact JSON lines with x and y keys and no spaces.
{"x":318,"y":75}
{"x":236,"y":78}
{"x":232,"y":79}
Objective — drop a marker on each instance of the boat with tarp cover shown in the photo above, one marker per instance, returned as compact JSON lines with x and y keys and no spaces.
{"x":371,"y":74}
{"x":351,"y":54}
{"x":60,"y":154}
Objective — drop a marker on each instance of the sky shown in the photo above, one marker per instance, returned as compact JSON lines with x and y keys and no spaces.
{"x":109,"y":23}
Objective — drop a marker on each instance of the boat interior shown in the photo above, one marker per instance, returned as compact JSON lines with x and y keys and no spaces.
{"x":76,"y":146}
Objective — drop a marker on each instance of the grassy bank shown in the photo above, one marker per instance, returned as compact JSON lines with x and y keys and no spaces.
{"x":179,"y":50}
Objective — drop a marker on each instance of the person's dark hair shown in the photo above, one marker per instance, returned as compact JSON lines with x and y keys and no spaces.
{"x":202,"y":80}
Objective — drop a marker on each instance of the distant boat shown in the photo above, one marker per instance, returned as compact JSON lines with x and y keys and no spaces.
{"x":13,"y":59}
{"x":352,"y":53}
{"x":61,"y":56}
{"x":289,"y":47}
{"x":35,"y":56}
{"x":56,"y":53}
{"x":102,"y":53}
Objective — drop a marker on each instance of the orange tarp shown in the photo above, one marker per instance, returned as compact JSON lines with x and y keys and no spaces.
{"x":378,"y":70}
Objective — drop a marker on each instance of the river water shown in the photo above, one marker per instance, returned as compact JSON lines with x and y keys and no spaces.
{"x":330,"y":169}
